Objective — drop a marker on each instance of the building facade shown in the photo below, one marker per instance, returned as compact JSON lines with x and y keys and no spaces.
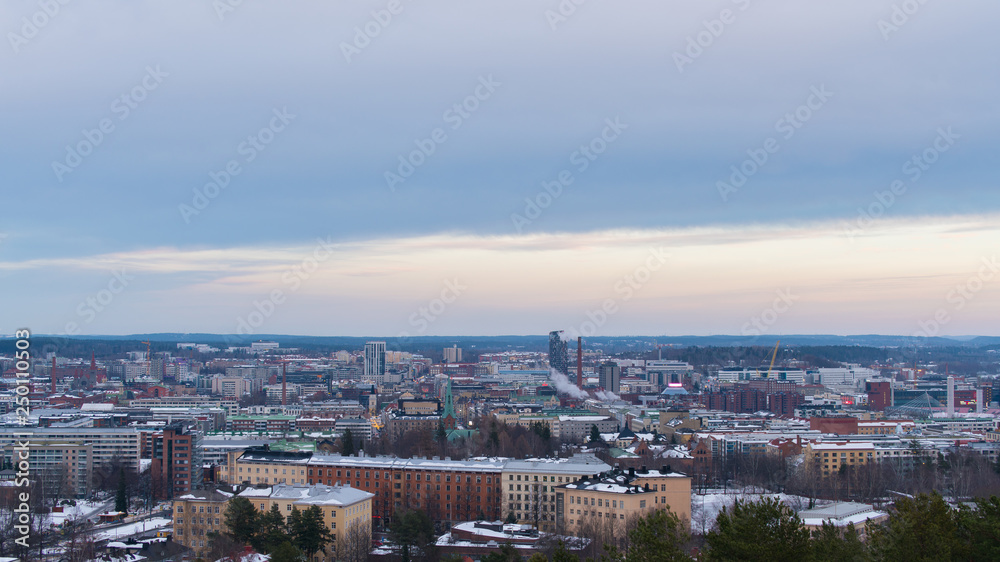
{"x":528,"y":486}
{"x":177,"y":463}
{"x":374,"y":362}
{"x":445,"y":489}
{"x":197,"y":515}
{"x":344,"y":509}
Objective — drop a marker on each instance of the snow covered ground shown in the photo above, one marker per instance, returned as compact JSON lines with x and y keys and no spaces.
{"x":705,"y":508}
{"x":82,"y":510}
{"x":125,"y":531}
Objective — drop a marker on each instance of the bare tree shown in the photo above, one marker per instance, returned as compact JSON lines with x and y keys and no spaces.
{"x":79,"y":541}
{"x":356,"y":543}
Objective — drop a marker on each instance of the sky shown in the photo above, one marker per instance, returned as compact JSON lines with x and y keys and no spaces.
{"x":394,"y":167}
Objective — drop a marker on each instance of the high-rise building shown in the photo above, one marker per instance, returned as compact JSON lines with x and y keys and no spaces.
{"x":558,"y":353}
{"x":453,"y":354}
{"x":374,"y":362}
{"x":610,"y":376}
{"x":177,"y":461}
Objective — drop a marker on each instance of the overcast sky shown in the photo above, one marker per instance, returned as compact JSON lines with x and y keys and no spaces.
{"x":725,"y":167}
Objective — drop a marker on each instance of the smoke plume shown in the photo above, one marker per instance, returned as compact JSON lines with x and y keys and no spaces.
{"x":563,"y":386}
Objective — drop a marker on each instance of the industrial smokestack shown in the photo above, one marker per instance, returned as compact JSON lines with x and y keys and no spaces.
{"x":284,"y":370}
{"x":52,"y":375}
{"x":579,"y":362}
{"x":951,"y":397}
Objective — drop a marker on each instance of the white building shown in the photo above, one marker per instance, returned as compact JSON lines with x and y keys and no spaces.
{"x":374,"y":362}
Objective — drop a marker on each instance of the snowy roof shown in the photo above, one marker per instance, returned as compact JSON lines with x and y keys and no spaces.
{"x":579,"y":464}
{"x":478,"y":465}
{"x":840,"y":514}
{"x":316,"y":494}
{"x":609,"y":487}
{"x":583,"y":418}
{"x":841,"y":446}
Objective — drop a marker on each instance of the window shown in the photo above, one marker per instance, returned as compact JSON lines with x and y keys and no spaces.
{"x":642,"y":504}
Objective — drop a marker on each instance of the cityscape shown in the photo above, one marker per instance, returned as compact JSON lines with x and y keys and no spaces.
{"x":545,"y":446}
{"x":499,"y":281}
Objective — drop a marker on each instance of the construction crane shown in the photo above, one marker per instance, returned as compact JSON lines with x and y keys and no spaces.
{"x":773,"y":356}
{"x":149,"y":360}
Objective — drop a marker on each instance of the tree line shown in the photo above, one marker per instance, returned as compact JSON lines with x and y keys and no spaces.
{"x":921,"y":528}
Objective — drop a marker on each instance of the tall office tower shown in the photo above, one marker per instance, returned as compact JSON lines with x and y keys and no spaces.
{"x":610,"y":377}
{"x":374,"y":362}
{"x":558,"y":353}
{"x":453,"y":354}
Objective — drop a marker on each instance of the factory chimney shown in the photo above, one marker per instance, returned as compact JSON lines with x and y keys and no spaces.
{"x":284,"y":373}
{"x":951,"y":397}
{"x":52,"y":375}
{"x":579,"y":362}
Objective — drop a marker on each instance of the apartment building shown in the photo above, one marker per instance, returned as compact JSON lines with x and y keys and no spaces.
{"x":829,"y":458}
{"x":447,"y":490}
{"x":105,"y":443}
{"x":197,"y":515}
{"x":671,"y":490}
{"x":343,"y":507}
{"x":607,"y":499}
{"x":65,"y":468}
{"x":360,"y":427}
{"x":177,"y":464}
{"x":575,"y":429}
{"x":397,"y":426}
{"x":528,"y":486}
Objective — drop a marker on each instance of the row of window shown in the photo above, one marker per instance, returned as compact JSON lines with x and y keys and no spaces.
{"x":545,"y":478}
{"x":197,"y":509}
{"x":198,"y":521}
{"x":357,"y":474}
